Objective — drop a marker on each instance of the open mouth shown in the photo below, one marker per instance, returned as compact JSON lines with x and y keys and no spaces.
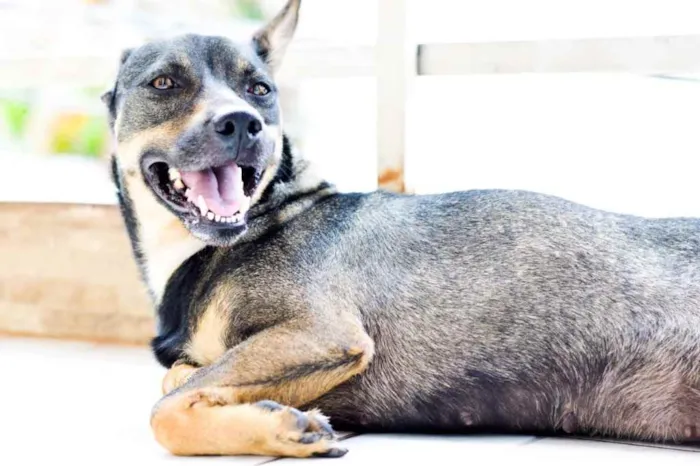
{"x":220,"y":195}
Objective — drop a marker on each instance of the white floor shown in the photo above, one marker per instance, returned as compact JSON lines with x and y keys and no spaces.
{"x":89,"y":404}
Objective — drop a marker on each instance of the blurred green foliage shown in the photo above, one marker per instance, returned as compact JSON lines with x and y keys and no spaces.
{"x":16,"y":115}
{"x":79,"y":134}
{"x":249,"y":9}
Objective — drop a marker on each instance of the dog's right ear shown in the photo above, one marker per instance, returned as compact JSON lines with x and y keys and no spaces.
{"x":108,"y":97}
{"x":271,"y":41}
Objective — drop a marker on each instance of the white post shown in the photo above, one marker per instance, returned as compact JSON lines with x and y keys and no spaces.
{"x":395,"y":66}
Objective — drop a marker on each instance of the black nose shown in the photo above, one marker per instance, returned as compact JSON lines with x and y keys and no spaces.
{"x":243,"y":126}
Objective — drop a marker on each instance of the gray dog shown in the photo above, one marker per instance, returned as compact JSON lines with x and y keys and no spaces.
{"x":498,"y":311}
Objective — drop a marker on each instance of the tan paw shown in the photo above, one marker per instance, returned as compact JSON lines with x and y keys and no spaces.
{"x":176,"y":377}
{"x":301,"y":434}
{"x":209,"y":422}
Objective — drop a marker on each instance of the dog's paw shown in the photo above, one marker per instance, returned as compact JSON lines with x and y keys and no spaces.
{"x":301,"y":434}
{"x":176,"y":377}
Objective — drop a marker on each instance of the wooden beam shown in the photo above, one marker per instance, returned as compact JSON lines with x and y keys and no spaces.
{"x":630,"y":55}
{"x":395,"y":63}
{"x":68,"y":272}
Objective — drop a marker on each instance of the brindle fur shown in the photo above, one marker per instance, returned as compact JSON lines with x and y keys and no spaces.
{"x":469,"y":311}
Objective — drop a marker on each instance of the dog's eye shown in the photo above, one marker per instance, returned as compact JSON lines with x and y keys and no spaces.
{"x":162,"y":83}
{"x":259,"y":89}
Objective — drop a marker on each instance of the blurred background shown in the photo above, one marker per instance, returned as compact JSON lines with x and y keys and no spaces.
{"x":593,"y":100}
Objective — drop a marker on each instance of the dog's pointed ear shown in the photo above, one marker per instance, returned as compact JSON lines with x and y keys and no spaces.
{"x":272,"y":40}
{"x":107,"y":97}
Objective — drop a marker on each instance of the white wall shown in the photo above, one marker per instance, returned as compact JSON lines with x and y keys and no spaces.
{"x":618,"y":142}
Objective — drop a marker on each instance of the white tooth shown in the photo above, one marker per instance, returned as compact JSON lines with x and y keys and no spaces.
{"x":179,"y":185}
{"x":229,"y":220}
{"x":202,"y":204}
{"x":217,"y":218}
{"x":174,"y":174}
{"x":210,"y":215}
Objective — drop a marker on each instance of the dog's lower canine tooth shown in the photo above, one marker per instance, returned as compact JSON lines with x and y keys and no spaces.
{"x":174,"y":174}
{"x":179,"y":185}
{"x":202,"y":204}
{"x":210,"y":215}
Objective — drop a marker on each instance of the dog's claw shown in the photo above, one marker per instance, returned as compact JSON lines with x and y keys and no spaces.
{"x":311,"y":437}
{"x":311,"y":428}
{"x":332,"y":453}
{"x":325,"y":428}
{"x":302,"y":419}
{"x":269,"y":405}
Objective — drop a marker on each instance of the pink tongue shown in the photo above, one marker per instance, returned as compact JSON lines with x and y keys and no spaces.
{"x":221,"y":188}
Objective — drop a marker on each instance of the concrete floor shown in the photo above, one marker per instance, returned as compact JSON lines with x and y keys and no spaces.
{"x":88,"y":404}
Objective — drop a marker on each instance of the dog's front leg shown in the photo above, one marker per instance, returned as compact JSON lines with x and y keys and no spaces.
{"x":222,"y":409}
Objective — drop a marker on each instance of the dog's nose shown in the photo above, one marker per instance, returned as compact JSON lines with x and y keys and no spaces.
{"x":240,"y":125}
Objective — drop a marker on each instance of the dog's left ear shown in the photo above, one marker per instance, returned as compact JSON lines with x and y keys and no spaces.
{"x":271,"y":41}
{"x":108,"y":96}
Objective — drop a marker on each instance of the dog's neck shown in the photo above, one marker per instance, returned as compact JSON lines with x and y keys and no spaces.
{"x":295,"y":188}
{"x":161,"y":243}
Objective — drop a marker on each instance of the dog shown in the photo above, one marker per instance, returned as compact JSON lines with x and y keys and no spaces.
{"x":281,"y":300}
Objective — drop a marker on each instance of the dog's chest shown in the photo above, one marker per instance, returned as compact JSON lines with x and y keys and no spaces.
{"x":217,"y":300}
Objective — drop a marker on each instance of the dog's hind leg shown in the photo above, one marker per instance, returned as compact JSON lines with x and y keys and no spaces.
{"x":221,"y":409}
{"x":651,"y":393}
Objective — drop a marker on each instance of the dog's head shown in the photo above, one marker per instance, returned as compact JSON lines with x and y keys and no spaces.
{"x":197,"y":120}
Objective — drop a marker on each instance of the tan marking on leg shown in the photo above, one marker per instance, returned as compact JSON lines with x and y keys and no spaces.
{"x":266,"y":365}
{"x":204,"y":422}
{"x":305,"y":389}
{"x":208,"y":341}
